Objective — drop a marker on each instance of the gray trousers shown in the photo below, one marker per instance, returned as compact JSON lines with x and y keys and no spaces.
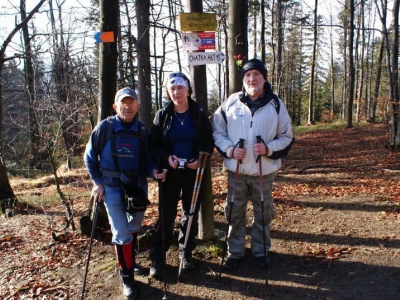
{"x":248,"y":187}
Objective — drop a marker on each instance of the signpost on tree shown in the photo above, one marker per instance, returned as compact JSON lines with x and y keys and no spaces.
{"x":199,"y":84}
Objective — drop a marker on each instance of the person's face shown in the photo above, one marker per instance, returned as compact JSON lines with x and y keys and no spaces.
{"x":253,"y":82}
{"x":178,"y":94}
{"x":127,"y":109}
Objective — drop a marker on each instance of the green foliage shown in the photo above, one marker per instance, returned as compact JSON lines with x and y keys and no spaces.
{"x":216,"y":249}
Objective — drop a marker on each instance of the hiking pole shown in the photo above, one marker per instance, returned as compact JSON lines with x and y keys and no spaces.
{"x":161,"y":219}
{"x":96,"y":208}
{"x":201,"y":165}
{"x":239,"y":144}
{"x":260,"y":140}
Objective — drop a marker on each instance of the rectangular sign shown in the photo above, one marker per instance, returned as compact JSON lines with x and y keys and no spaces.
{"x":204,"y":58}
{"x":197,"y":22}
{"x":198,"y":41}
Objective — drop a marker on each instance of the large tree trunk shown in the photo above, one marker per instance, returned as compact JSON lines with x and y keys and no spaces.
{"x":235,"y":28}
{"x":143,"y":60}
{"x":395,"y":144}
{"x":280,"y":39}
{"x":351,"y":68}
{"x":311,"y":120}
{"x":262,"y":30}
{"x":361,"y":64}
{"x":377,"y":85}
{"x":109,"y":15}
{"x":199,"y":84}
{"x":332,"y":74}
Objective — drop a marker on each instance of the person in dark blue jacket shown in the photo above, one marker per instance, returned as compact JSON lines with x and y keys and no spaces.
{"x":117,"y":160}
{"x":179,"y":132}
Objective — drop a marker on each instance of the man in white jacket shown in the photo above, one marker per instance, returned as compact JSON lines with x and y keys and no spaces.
{"x":254,"y":112}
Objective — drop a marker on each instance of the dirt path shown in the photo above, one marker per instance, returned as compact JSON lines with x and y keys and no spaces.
{"x":335,"y":236}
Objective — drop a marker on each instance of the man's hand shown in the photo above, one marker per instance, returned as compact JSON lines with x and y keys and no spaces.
{"x":98,"y":192}
{"x":260,"y":149}
{"x":238,"y":153}
{"x":160,"y":176}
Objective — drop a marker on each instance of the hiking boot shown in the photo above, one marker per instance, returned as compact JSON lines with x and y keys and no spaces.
{"x":231,"y":264}
{"x":128,"y":284}
{"x":155,"y":269}
{"x":138,"y":269}
{"x":188,"y":264}
{"x":263,"y":262}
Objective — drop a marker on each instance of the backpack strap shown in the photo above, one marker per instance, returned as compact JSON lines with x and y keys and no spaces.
{"x":110,"y":134}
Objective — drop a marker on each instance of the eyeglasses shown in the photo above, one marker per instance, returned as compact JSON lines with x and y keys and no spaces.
{"x":172,"y":75}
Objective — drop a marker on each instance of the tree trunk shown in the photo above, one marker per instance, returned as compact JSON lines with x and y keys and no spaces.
{"x":30,"y":88}
{"x":377,"y":80}
{"x":311,"y":120}
{"x":361,"y":63}
{"x":235,"y":28}
{"x":395,"y":73}
{"x":332,"y":74}
{"x":351,"y":68}
{"x":109,"y":15}
{"x":143,"y":60}
{"x":280,"y":39}
{"x":262,"y":30}
{"x":199,"y":84}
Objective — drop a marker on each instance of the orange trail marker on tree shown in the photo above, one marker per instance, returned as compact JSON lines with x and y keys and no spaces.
{"x":104,"y":37}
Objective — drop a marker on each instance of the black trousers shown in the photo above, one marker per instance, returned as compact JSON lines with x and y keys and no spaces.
{"x":179,"y":184}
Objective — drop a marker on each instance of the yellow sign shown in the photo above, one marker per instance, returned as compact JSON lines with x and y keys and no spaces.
{"x":198,"y":22}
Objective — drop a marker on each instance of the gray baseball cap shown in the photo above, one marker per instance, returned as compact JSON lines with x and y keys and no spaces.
{"x":123,"y":93}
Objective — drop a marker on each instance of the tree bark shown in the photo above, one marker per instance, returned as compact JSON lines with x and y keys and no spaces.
{"x":395,"y":73}
{"x":30,"y":89}
{"x":199,"y":84}
{"x":351,"y":68}
{"x":109,"y":15}
{"x":143,"y":60}
{"x":235,"y":28}
{"x":311,"y":120}
{"x":377,"y":85}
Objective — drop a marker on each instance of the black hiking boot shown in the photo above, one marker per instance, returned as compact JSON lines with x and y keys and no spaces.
{"x":231,"y":263}
{"x":263,"y":262}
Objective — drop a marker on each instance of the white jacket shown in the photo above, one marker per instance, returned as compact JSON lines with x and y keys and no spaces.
{"x":275,"y":130}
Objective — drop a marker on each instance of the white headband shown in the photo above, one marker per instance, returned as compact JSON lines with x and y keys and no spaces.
{"x":174,"y":81}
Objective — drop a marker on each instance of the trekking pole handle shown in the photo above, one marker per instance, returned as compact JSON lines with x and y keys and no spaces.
{"x":205,"y":156}
{"x":259,"y":140}
{"x":240,"y":145}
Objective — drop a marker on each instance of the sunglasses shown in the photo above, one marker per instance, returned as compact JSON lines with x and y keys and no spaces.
{"x":172,"y":75}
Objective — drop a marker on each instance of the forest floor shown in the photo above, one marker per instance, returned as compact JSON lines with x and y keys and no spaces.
{"x":336,"y":234}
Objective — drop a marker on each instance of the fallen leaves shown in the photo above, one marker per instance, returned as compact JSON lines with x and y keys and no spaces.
{"x":330,"y":253}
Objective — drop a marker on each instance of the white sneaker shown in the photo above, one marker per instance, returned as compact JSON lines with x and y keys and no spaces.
{"x":130,"y":292}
